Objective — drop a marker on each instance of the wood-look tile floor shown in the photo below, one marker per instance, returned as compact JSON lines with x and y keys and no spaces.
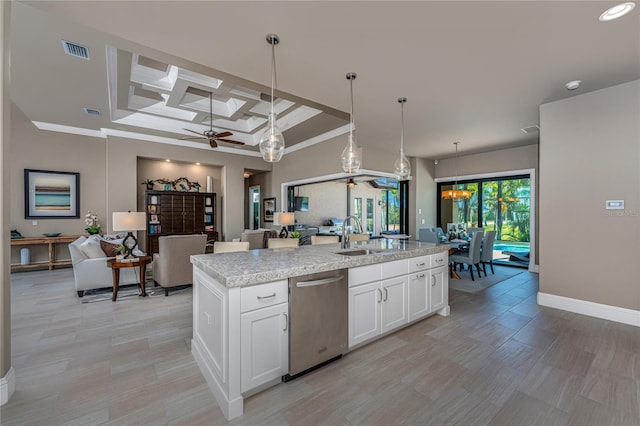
{"x":499,"y":359}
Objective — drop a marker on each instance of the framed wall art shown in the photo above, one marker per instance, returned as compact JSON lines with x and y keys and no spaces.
{"x":268,"y":207}
{"x":51,"y":195}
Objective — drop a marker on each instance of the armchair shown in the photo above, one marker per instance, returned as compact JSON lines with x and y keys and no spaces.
{"x":171,"y":265}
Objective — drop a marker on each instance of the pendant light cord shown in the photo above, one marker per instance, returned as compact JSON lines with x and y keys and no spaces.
{"x":402,"y":129}
{"x":273,"y":71}
{"x":456,"y":144}
{"x":210,"y":111}
{"x":351,"y":112}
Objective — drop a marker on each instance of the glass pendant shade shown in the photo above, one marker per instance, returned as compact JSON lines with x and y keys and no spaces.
{"x":272,"y":142}
{"x":351,"y":160}
{"x":351,"y":156}
{"x":402,"y":167}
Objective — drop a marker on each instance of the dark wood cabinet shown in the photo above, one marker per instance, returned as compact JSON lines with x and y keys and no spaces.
{"x":179,"y":213}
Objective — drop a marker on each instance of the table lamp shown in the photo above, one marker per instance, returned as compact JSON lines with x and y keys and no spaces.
{"x":129,"y":222}
{"x":284,"y":219}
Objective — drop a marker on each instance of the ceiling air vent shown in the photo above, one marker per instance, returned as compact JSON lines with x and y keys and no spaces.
{"x":531,"y":129}
{"x":91,"y":111}
{"x":76,"y":50}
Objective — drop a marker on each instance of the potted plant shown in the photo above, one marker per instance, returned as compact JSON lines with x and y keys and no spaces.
{"x":149,"y":183}
{"x":92,"y":223}
{"x":120,"y":250}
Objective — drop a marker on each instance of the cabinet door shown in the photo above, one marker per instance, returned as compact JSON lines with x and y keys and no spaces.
{"x":418,"y":295}
{"x":364,"y":312}
{"x":264,"y":345}
{"x":394,"y":303}
{"x":438,"y":285}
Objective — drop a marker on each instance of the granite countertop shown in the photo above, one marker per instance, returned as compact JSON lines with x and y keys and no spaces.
{"x":239,"y":269}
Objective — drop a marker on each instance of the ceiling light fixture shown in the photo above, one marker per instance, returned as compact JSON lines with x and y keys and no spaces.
{"x":351,"y":183}
{"x":573,"y":85}
{"x":455,"y":193}
{"x":617,"y":11}
{"x":272,"y":141}
{"x":351,"y":158}
{"x":402,"y":167}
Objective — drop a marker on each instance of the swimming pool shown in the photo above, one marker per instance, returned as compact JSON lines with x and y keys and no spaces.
{"x":512,"y":246}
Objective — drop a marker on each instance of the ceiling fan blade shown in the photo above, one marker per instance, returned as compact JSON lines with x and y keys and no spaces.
{"x":193,"y":131}
{"x":213,"y":143}
{"x":229,"y":141}
{"x":223,"y":134}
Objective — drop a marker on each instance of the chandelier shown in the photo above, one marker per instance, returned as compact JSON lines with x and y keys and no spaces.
{"x":455,"y":193}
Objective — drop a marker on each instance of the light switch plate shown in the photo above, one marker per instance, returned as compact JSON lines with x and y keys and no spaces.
{"x":614,"y":205}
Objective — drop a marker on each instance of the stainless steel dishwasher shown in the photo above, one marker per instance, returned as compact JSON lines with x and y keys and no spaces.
{"x":318,"y":320}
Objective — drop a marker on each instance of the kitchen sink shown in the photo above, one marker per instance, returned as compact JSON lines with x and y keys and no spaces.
{"x":360,"y":252}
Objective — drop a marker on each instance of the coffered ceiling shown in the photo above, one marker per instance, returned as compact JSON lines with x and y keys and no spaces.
{"x":474,"y":72}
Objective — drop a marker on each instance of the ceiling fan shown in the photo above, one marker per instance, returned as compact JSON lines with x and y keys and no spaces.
{"x":210,"y":135}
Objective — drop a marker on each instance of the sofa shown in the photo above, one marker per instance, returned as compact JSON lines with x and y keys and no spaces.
{"x":90,"y":268}
{"x":172,"y":264}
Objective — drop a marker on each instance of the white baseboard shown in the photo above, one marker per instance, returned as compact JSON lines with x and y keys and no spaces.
{"x":7,"y":386}
{"x":592,"y":309}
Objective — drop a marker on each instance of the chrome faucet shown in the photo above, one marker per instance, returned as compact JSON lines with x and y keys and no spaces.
{"x":345,"y":236}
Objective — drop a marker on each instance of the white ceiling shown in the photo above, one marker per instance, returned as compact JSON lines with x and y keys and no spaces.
{"x":473,"y":71}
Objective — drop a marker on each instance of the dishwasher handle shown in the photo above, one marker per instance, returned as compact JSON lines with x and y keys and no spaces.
{"x":319,"y":282}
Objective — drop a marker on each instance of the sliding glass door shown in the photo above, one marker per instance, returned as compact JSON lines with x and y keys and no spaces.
{"x":500,"y":204}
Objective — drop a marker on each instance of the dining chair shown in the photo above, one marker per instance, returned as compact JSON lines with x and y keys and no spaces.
{"x":358,"y":237}
{"x":324,"y":239}
{"x":472,"y":258}
{"x":230,"y":246}
{"x":283,"y":242}
{"x":486,"y":254}
{"x":428,"y":236}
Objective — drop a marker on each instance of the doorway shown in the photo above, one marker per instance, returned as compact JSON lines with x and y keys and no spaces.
{"x":254,"y":207}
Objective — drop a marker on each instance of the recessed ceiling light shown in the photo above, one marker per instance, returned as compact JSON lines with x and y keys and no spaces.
{"x":573,"y":85}
{"x":167,"y":160}
{"x":617,"y":11}
{"x":197,"y":164}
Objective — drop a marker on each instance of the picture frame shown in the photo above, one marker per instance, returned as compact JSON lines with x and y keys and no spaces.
{"x":268,"y":209}
{"x":51,"y":195}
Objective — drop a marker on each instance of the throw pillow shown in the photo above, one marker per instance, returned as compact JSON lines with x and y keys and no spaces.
{"x":91,"y":248}
{"x":109,"y":248}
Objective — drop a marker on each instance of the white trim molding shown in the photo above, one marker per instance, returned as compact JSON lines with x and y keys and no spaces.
{"x":592,"y":309}
{"x":7,"y":386}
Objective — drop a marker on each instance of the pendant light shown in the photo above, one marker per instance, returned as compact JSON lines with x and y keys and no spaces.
{"x":455,"y":193}
{"x":272,"y":141}
{"x":402,"y":167}
{"x":351,"y":160}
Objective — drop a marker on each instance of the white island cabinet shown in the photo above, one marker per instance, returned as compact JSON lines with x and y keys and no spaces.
{"x":241,"y":306}
{"x":240,"y":337}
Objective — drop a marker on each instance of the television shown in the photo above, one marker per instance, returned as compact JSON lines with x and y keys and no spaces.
{"x":301,"y":204}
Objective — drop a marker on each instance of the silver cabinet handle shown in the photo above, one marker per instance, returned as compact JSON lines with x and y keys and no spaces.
{"x":420,"y":264}
{"x":433,"y":280}
{"x":417,"y":277}
{"x":286,"y":321}
{"x":439,"y":260}
{"x":380,"y":294}
{"x":319,"y":282}
{"x":266,"y":297}
{"x":386,"y":294}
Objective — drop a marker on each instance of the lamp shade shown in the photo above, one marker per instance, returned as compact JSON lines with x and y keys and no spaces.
{"x":129,"y":221}
{"x":284,"y":219}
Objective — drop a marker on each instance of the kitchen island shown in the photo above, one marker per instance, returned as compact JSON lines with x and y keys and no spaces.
{"x":241,"y":305}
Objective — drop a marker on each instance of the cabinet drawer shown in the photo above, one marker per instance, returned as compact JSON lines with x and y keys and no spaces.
{"x":439,"y":259}
{"x":419,"y":263}
{"x":394,"y":269}
{"x":364,"y":274}
{"x":263,"y":295}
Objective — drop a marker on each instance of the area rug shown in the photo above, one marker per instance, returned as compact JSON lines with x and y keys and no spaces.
{"x":127,"y":291}
{"x":468,"y":286}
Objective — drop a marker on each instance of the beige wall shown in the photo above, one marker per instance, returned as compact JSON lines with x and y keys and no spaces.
{"x":5,"y":184}
{"x":589,"y":153}
{"x":326,"y":200}
{"x":423,"y":202}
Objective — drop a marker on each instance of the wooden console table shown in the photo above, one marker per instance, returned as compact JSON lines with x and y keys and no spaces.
{"x":51,"y":242}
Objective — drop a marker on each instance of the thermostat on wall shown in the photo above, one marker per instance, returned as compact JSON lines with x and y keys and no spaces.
{"x":615,"y":205}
